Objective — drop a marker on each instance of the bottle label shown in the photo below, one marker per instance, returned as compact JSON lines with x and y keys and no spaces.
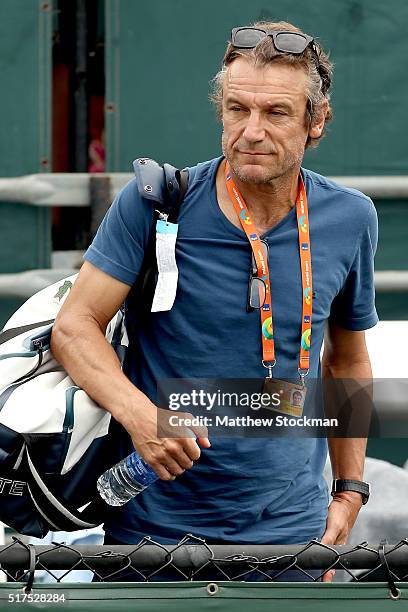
{"x":140,"y":471}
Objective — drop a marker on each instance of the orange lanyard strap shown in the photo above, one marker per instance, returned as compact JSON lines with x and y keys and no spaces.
{"x":262,"y":264}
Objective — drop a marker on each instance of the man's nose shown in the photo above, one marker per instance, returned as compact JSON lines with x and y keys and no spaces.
{"x":254,"y":129}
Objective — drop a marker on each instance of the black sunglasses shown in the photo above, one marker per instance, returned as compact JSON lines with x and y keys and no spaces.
{"x":283,"y":40}
{"x":256,"y":286}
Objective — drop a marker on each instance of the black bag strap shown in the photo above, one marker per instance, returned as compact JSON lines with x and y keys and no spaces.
{"x":183,"y":182}
{"x":13,"y":332}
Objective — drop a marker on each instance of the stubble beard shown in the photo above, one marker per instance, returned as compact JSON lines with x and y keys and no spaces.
{"x":269,"y":174}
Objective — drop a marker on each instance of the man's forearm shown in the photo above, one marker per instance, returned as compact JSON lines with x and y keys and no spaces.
{"x":347,"y":455}
{"x":82,"y":349}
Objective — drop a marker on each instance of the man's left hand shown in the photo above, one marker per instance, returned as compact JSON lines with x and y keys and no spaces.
{"x":341,"y":516}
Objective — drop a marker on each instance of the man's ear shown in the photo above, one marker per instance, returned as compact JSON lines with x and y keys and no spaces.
{"x":316,"y":128}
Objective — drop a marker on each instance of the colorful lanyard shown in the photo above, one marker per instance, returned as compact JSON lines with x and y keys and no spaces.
{"x":262,"y":264}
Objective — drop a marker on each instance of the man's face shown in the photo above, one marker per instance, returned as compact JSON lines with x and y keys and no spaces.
{"x":264,"y":118}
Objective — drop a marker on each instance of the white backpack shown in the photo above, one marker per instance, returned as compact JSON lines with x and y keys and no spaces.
{"x":51,"y":432}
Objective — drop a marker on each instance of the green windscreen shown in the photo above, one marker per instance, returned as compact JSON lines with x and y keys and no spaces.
{"x":189,"y":596}
{"x":161,"y":57}
{"x":25,"y":68}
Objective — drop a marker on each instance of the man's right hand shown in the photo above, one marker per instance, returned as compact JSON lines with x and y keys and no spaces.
{"x":168,"y":456}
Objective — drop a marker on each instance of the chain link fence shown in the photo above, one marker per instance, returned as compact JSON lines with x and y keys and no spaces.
{"x":192,"y":559}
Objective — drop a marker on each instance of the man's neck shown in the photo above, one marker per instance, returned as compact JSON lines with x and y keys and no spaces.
{"x":266,"y":201}
{"x":268,"y":204}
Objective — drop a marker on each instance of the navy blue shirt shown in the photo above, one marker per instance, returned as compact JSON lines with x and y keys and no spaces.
{"x":246,"y":490}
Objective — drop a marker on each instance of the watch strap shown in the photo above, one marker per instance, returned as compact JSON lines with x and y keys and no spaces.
{"x":359,"y":486}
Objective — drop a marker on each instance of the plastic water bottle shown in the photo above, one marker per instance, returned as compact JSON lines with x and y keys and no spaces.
{"x":125,"y":480}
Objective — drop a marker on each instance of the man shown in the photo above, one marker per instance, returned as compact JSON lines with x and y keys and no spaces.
{"x":272,"y":95}
{"x":297,"y":398}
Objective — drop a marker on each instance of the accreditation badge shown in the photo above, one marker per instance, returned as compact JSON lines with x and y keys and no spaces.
{"x":292,"y":396}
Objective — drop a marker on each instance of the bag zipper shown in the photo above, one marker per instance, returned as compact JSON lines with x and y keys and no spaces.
{"x":37,"y":344}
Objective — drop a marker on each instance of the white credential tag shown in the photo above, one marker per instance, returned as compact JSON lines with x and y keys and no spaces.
{"x":165,"y":294}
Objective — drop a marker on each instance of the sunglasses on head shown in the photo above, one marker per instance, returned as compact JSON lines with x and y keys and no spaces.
{"x":284,"y":41}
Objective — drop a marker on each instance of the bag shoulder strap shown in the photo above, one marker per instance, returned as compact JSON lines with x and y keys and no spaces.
{"x":165,"y":185}
{"x":13,"y":332}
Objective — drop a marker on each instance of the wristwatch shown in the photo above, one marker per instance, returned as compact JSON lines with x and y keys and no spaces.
{"x":359,"y":486}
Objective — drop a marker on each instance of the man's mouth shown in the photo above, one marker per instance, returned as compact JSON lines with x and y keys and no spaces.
{"x":255,"y":153}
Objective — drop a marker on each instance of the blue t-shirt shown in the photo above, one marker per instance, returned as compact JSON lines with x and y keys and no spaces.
{"x":243,"y":490}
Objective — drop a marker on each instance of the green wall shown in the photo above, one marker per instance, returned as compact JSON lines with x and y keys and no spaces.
{"x":392,"y":253}
{"x":25,"y":68}
{"x":161,"y":56}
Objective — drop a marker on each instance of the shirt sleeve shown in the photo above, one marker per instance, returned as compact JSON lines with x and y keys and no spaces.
{"x":119,"y":245}
{"x":354,"y":306}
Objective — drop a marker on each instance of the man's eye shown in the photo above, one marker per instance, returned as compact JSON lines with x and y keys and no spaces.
{"x":236,"y":109}
{"x":277,"y":113}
